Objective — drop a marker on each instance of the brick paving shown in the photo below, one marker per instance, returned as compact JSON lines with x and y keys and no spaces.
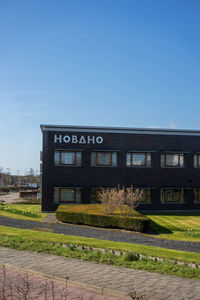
{"x":16,"y":284}
{"x":109,"y":279}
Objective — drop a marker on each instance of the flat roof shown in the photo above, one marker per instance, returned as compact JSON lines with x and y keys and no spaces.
{"x":105,"y":129}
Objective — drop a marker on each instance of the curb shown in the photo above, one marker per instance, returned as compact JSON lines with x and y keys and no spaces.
{"x":79,"y":284}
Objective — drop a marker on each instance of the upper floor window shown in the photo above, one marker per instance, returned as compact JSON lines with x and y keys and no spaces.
{"x":197,"y":160}
{"x":104,"y":159}
{"x":172,"y":160}
{"x":137,"y":159}
{"x":172,"y":195}
{"x":67,"y":158}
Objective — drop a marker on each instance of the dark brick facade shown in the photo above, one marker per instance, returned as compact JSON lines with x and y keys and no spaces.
{"x":122,"y":141}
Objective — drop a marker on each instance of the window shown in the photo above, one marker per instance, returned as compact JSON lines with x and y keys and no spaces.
{"x":172,"y":195}
{"x":172,"y":160}
{"x":197,"y":195}
{"x":146,"y":197}
{"x":137,"y":159}
{"x":69,"y":158}
{"x":94,"y":195}
{"x":67,"y":195}
{"x":104,"y":159}
{"x":197,"y":160}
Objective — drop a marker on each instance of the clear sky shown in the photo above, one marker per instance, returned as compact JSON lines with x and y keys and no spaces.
{"x":132,"y":63}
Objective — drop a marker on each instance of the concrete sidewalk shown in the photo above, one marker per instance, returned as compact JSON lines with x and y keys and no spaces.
{"x":104,"y":278}
{"x":10,"y":198}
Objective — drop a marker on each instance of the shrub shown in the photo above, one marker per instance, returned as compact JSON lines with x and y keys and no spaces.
{"x":74,"y":215}
{"x":126,"y":199}
{"x":109,"y":198}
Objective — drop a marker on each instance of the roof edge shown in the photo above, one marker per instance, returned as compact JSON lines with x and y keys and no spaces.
{"x":80,"y":128}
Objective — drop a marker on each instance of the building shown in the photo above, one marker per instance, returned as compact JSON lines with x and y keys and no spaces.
{"x":78,"y":160}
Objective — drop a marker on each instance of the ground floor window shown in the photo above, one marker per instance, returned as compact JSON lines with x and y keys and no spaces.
{"x":94,"y":195}
{"x":197,"y":195}
{"x":67,"y":195}
{"x":146,"y":196}
{"x":172,"y":195}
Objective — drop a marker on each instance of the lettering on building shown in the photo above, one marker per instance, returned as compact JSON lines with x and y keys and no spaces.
{"x":74,"y":139}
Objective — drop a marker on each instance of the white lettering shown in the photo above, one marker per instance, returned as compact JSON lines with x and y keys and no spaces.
{"x":90,"y":139}
{"x":74,"y":139}
{"x":66,"y":139}
{"x":99,"y":140}
{"x":57,"y":138}
{"x":82,"y":140}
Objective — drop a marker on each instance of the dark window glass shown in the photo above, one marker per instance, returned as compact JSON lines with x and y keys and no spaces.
{"x":67,"y":158}
{"x":104,"y":158}
{"x":172,"y":195}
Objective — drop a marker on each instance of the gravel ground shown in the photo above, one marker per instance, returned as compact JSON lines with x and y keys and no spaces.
{"x":103,"y":234}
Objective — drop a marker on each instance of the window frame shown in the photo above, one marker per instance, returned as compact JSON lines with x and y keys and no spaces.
{"x":95,"y":191}
{"x":165,"y":165}
{"x":97,"y":164}
{"x":145,"y":165}
{"x":196,"y":195}
{"x":181,"y":196}
{"x":145,"y":191}
{"x":104,"y":165}
{"x":132,"y":160}
{"x":67,"y":151}
{"x":75,"y":193}
{"x":197,"y":158}
{"x":60,"y":190}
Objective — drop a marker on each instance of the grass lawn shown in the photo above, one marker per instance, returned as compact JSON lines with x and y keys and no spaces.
{"x":182,"y":226}
{"x":33,"y":208}
{"x":34,"y":235}
{"x":42,"y":242}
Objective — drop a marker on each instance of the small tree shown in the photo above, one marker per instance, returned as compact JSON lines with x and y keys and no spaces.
{"x":108,"y":197}
{"x":126,"y":199}
{"x":133,"y":198}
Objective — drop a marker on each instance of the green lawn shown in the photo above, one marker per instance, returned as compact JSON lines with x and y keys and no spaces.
{"x":33,"y":208}
{"x":33,"y":235}
{"x":183,"y":226}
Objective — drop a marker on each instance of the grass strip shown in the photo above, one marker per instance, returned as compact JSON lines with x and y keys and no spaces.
{"x":39,"y":236}
{"x":29,"y":211}
{"x":163,"y":267}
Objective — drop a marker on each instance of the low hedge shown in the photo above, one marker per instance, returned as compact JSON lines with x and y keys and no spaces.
{"x":74,"y":215}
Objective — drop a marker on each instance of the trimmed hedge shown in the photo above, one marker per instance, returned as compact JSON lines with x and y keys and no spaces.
{"x":67,"y":214}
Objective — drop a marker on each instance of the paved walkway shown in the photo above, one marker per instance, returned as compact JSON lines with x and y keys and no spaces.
{"x":103,"y":234}
{"x":109,"y":279}
{"x":16,"y":284}
{"x":10,"y":198}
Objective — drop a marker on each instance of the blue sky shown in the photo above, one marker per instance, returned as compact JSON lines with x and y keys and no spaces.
{"x":132,"y":63}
